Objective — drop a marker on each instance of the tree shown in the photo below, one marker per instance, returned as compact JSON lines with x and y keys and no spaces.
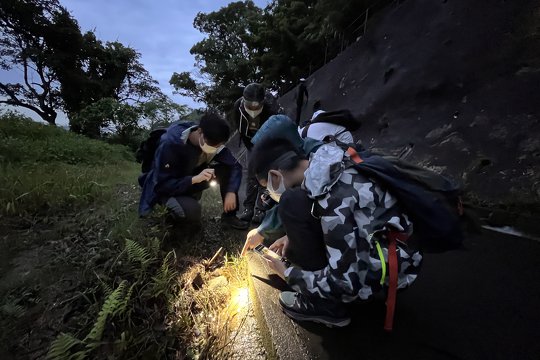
{"x":59,"y":66}
{"x":99,"y":70}
{"x":226,"y":56}
{"x":106,"y":116}
{"x":287,"y":40}
{"x":185,"y":85}
{"x":24,"y":30}
{"x":161,"y":112}
{"x":289,"y":54}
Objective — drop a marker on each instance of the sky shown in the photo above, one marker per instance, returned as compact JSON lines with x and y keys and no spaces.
{"x":161,"y":30}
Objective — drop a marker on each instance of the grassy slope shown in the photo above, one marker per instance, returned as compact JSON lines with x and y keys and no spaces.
{"x":76,"y":259}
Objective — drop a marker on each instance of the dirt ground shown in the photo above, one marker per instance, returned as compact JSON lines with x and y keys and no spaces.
{"x":49,"y":267}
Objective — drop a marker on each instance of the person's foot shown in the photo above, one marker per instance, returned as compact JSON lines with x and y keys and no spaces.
{"x":302,"y":308}
{"x":257,"y":217}
{"x":234,"y":222}
{"x":246,"y":215}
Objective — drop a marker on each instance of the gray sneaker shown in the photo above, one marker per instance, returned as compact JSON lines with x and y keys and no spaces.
{"x":302,"y":308}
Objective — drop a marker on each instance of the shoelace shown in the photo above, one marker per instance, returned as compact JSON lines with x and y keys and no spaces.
{"x":301,"y":302}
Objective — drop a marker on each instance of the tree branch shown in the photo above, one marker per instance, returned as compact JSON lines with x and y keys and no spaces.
{"x":24,"y":105}
{"x":28,"y":85}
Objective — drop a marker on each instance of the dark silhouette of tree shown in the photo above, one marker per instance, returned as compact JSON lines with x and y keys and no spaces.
{"x":61,"y":68}
{"x":277,"y":45}
{"x":24,"y":28}
{"x":226,"y":57}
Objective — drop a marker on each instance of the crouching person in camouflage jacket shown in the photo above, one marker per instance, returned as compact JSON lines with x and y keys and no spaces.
{"x":336,"y":221}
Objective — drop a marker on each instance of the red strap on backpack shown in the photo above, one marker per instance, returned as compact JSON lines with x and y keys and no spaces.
{"x":353,"y":154}
{"x":393,"y":237}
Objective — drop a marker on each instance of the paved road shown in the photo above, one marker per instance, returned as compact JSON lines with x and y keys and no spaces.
{"x":478,"y":303}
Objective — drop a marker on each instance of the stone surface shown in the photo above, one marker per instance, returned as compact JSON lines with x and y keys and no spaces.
{"x":279,"y":333}
{"x":426,"y":69}
{"x":477,"y":303}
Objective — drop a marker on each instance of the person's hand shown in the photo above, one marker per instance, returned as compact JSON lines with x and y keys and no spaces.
{"x":280,"y":245}
{"x":205,"y":175}
{"x":229,"y":203}
{"x":253,"y":239}
{"x":277,"y":265}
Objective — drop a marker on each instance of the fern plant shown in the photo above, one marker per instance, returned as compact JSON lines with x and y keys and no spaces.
{"x":61,"y":348}
{"x":12,"y":309}
{"x":165,"y":275}
{"x":112,"y":306}
{"x":136,"y":253}
{"x":116,"y":304}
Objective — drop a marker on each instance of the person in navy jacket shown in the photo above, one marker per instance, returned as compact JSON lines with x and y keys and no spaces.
{"x":188,"y":159}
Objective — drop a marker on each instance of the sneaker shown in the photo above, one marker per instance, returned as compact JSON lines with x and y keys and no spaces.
{"x":246,"y":215}
{"x":234,"y":222}
{"x":302,"y":308}
{"x":258,"y":217}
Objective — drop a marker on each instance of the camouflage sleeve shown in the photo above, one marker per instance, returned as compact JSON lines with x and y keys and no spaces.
{"x":347,"y":213}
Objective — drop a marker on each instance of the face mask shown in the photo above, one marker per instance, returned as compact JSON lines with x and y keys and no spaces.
{"x":207,"y":148}
{"x":275,"y":194}
{"x":253,"y":113}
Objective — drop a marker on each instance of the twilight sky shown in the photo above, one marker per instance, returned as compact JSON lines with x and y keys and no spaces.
{"x":161,"y":30}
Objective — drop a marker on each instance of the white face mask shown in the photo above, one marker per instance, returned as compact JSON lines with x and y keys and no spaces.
{"x":275,"y":194}
{"x":253,"y":113}
{"x":207,"y":148}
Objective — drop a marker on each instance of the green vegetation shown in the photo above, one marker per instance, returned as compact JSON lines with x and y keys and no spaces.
{"x":46,"y":168}
{"x":82,"y":277}
{"x":102,"y":87}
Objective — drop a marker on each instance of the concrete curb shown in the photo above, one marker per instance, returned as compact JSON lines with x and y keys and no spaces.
{"x":280,"y":334}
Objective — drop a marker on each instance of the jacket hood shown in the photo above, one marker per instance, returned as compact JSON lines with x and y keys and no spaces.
{"x":325,"y":168}
{"x":176,"y":133}
{"x":282,"y":126}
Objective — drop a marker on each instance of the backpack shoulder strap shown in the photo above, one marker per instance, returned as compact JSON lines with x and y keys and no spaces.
{"x":355,"y":157}
{"x":305,"y":130}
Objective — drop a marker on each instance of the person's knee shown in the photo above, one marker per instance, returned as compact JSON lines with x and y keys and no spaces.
{"x":184,"y":208}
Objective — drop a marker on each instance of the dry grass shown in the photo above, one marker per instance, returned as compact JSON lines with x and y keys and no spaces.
{"x":212,"y":305}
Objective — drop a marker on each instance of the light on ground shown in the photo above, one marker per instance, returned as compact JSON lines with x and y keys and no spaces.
{"x":240,"y":300}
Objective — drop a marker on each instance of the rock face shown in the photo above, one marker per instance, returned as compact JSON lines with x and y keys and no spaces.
{"x":456,"y":83}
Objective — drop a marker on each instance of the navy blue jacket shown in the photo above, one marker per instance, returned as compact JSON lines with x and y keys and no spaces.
{"x":174,"y":165}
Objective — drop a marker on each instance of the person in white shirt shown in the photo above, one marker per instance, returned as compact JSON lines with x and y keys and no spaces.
{"x":323,"y":130}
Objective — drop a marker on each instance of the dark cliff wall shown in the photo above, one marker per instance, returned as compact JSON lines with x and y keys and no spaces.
{"x":457,"y":80}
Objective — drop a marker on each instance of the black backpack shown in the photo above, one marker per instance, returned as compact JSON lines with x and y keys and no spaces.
{"x":339,"y":117}
{"x":432,"y":201}
{"x":145,"y":153}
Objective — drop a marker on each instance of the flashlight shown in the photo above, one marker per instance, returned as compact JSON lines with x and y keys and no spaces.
{"x":213,"y":183}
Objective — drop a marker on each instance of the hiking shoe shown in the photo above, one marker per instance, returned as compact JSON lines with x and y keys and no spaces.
{"x":246,"y":215}
{"x":258,"y":217}
{"x":234,"y":222}
{"x":302,"y":308}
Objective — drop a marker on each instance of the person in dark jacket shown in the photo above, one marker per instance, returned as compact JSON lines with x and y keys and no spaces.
{"x":249,"y":113}
{"x":302,"y":90}
{"x":277,"y":127}
{"x":188,"y":158}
